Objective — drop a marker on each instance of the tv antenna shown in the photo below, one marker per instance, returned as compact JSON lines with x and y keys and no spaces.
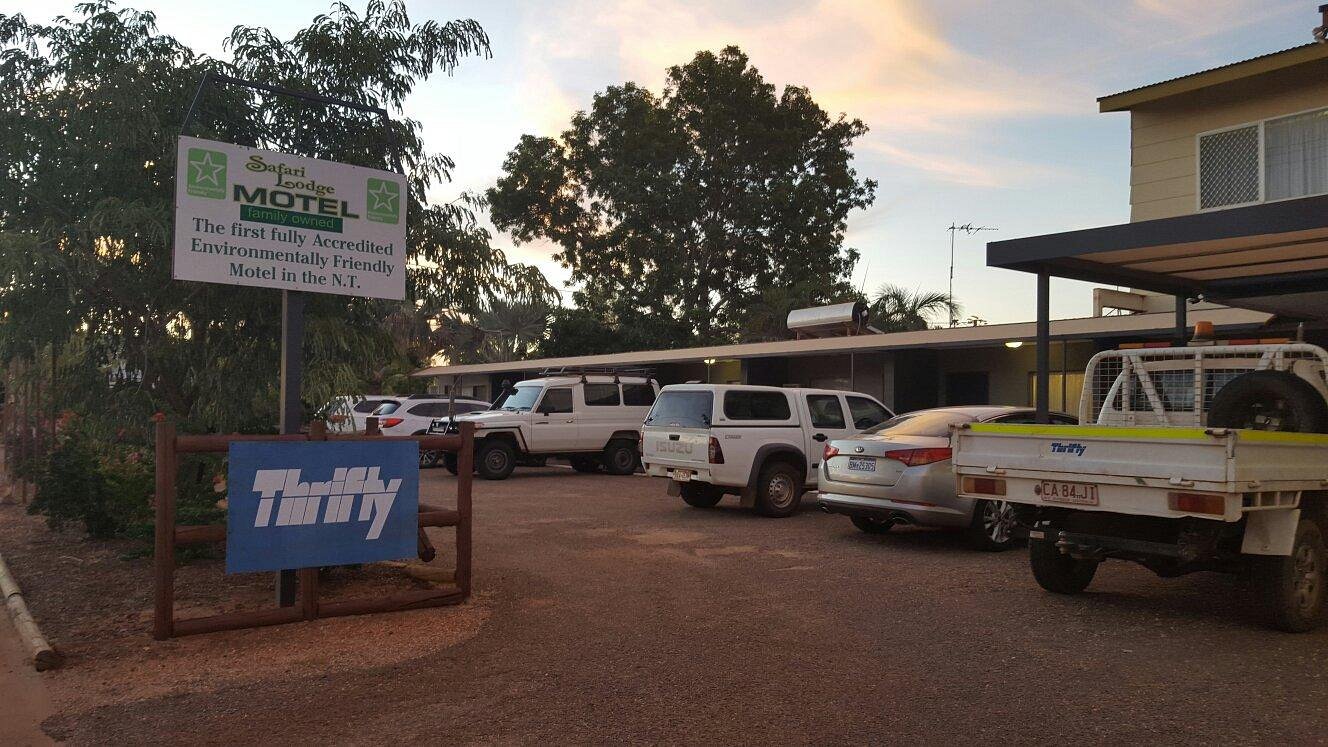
{"x":968,"y":229}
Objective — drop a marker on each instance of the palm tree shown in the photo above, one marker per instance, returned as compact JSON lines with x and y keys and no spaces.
{"x":898,"y":309}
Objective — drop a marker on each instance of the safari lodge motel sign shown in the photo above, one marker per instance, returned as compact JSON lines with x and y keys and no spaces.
{"x":246,"y":216}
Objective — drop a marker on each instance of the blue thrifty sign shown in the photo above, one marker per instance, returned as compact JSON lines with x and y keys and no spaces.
{"x":301,"y":505}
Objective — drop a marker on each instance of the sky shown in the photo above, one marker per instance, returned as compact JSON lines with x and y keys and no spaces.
{"x":981,"y":113}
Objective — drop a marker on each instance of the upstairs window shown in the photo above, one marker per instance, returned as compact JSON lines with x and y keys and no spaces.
{"x":1276,"y":159}
{"x":1229,"y":167}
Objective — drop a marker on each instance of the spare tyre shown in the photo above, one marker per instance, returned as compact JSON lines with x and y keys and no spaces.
{"x":1269,"y":401}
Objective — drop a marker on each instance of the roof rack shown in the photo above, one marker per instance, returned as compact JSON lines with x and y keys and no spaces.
{"x":645,"y":372}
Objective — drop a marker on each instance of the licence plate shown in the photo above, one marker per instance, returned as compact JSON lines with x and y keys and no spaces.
{"x":1077,"y":493}
{"x":862,"y":464}
{"x":681,"y":475}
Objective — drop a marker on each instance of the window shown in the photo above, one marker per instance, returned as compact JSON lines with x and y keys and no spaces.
{"x":1229,"y":167}
{"x":1029,"y":417}
{"x":1295,"y":155}
{"x":826,"y":411}
{"x":557,"y":401}
{"x":683,"y":408}
{"x":519,"y":398}
{"x":740,"y":405}
{"x":638,"y":395}
{"x":469,"y":407}
{"x":1276,"y":159}
{"x":367,"y":405}
{"x":1064,"y":388}
{"x":866,"y":412}
{"x":428,"y":410}
{"x":386,"y":408}
{"x":602,"y":395}
{"x":922,"y":423}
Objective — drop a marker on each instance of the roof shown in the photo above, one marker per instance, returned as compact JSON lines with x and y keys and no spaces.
{"x":1266,"y":63}
{"x":953,"y":337}
{"x":1250,"y":254}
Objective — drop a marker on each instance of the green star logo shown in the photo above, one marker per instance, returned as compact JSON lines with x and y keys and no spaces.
{"x":206,"y":175}
{"x":384,"y":201}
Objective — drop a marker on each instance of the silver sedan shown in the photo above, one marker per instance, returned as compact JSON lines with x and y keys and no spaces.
{"x":899,"y":472}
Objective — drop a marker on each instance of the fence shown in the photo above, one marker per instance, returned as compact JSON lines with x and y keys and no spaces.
{"x":310,"y":607}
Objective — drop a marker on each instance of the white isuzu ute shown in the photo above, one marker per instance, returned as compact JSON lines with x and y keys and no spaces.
{"x":1209,"y":457}
{"x":591,"y":420}
{"x":761,"y":443}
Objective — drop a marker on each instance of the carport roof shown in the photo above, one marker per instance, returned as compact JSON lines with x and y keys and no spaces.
{"x":1260,"y":255}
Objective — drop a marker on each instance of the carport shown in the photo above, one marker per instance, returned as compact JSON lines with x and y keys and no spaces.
{"x":1269,"y":257}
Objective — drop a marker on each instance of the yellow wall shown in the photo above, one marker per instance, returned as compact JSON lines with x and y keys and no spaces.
{"x":1163,"y":133}
{"x":1008,"y":371}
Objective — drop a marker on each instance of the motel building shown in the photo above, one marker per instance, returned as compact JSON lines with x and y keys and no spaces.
{"x":1228,"y":183}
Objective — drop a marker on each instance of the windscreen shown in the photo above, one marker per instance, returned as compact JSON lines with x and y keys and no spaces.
{"x":687,"y":409}
{"x":519,"y":398}
{"x":925,"y":423}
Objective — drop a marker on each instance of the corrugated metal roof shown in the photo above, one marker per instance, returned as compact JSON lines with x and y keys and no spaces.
{"x":991,"y":334}
{"x":1293,"y":56}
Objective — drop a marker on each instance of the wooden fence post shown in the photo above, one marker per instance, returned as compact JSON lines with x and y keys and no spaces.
{"x":163,"y":556}
{"x":465,"y":477}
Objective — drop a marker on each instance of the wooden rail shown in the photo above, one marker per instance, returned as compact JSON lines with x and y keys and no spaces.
{"x":169,"y":535}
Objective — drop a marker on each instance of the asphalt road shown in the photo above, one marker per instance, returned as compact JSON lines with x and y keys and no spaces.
{"x":617,"y":613}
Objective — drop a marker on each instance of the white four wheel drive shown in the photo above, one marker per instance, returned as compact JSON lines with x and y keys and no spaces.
{"x":1208,"y":457}
{"x":591,"y":420}
{"x":761,"y":443}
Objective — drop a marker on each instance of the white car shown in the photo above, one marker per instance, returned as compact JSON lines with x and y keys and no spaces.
{"x":591,"y":420}
{"x":413,"y":416}
{"x":346,"y":414}
{"x":761,"y":443}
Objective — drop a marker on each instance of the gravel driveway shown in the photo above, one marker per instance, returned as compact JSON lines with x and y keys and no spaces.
{"x":608,"y":611}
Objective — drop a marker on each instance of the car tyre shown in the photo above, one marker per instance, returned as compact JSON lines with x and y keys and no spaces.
{"x":1269,"y":401}
{"x":619,"y":458}
{"x":778,"y":490}
{"x":1292,"y":586}
{"x":428,"y":458}
{"x":1057,"y":572}
{"x":495,"y":460}
{"x":872,"y":524}
{"x":700,"y":495}
{"x":582,"y":463}
{"x":992,"y":527}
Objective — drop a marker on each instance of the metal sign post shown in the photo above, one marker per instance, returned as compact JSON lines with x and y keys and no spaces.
{"x":392,"y":199}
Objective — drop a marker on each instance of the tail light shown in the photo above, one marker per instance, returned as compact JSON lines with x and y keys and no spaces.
{"x":716,"y":453}
{"x":830,"y":451}
{"x":1197,"y":503}
{"x":917,"y":457}
{"x":391,"y":422}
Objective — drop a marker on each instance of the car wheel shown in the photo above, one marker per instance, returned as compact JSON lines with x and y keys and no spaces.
{"x":620,"y":458}
{"x":872,"y":524}
{"x":450,"y":462}
{"x":582,"y":463}
{"x":495,"y":460}
{"x":778,"y":490}
{"x":1057,"y":572}
{"x":700,"y":495}
{"x":428,"y":458}
{"x":1292,"y":586}
{"x":992,"y":527}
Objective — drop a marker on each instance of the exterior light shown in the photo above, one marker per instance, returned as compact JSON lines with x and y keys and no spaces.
{"x":709,"y":361}
{"x":1014,"y":344}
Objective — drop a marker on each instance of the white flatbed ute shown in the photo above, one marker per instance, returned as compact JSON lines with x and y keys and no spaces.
{"x":1187,"y":459}
{"x":1216,"y":474}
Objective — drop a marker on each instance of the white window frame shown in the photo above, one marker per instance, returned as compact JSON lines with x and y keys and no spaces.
{"x":1260,"y":124}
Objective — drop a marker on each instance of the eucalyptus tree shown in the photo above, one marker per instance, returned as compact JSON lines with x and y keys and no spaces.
{"x":671,"y":210}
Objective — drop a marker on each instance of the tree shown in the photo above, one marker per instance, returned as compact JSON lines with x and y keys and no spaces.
{"x":500,"y":332}
{"x":765,"y":315}
{"x":90,"y":106}
{"x":672,"y":210}
{"x":896,"y":309}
